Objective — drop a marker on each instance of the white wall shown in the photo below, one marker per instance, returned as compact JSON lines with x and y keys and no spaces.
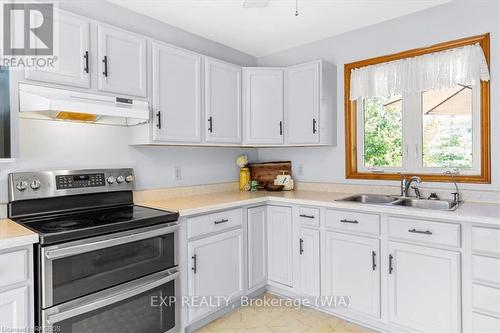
{"x":443,"y":23}
{"x":40,"y":145}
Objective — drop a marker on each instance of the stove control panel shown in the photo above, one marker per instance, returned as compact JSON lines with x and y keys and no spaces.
{"x":34,"y":185}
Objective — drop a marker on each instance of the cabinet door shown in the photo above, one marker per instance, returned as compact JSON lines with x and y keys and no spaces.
{"x":309,"y":270}
{"x":280,"y":245}
{"x":222,"y":102}
{"x":72,"y":66}
{"x":122,"y":62}
{"x":263,"y":106}
{"x":302,"y":103}
{"x":216,"y":268}
{"x":257,"y":246}
{"x":424,"y":291}
{"x":14,"y":309}
{"x":176,"y":94}
{"x":352,"y":268}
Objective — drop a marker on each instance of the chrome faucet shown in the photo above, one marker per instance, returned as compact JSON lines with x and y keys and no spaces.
{"x":456,"y":195}
{"x":406,"y":186}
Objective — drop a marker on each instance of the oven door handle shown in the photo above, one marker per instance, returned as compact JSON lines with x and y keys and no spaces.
{"x":52,"y":253}
{"x":108,"y":298}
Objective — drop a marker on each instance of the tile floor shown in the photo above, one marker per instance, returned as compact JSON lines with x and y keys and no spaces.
{"x":262,"y":319}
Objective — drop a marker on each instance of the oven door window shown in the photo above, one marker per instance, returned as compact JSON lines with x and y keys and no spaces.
{"x":85,"y":273}
{"x":135,"y":314}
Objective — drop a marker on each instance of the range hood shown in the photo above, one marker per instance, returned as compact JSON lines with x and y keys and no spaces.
{"x":36,"y":102}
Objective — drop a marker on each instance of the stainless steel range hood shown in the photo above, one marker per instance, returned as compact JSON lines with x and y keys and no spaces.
{"x":36,"y":102}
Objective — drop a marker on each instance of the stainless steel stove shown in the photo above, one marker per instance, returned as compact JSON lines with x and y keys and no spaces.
{"x":101,"y":258}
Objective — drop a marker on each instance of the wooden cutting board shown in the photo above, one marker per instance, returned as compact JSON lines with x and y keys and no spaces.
{"x":266,"y":172}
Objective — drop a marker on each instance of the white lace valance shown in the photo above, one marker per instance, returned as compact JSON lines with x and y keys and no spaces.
{"x":446,"y":69}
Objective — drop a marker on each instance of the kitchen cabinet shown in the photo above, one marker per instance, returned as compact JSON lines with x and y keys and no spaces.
{"x":280,"y":245}
{"x":263,"y":106}
{"x":222,"y":102}
{"x":215,"y":268}
{"x":14,"y":309}
{"x":176,"y":94}
{"x":72,"y":67}
{"x":122,"y":62}
{"x":310,"y":103}
{"x":309,"y":261}
{"x":424,"y":289}
{"x":352,"y":268}
{"x":257,"y":246}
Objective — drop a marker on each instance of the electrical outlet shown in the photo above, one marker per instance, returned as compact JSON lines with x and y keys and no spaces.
{"x":177,"y":173}
{"x":300,"y":169}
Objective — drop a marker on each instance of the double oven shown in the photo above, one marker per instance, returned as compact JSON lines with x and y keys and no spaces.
{"x":103,"y":265}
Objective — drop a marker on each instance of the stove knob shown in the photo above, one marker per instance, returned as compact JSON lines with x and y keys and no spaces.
{"x":35,"y":184}
{"x":129,"y":178}
{"x":120,"y":179}
{"x":111,"y":179}
{"x":21,"y":185}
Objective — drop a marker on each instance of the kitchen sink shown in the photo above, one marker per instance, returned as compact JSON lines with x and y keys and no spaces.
{"x":388,"y":200}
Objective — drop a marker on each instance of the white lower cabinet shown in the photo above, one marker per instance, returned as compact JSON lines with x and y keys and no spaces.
{"x":424,"y":290}
{"x":257,"y":247}
{"x":280,"y":245}
{"x":309,"y":261}
{"x":352,"y":269}
{"x":216,"y":268}
{"x":14,"y":312}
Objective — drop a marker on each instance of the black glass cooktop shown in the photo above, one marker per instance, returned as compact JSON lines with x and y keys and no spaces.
{"x":65,"y":227}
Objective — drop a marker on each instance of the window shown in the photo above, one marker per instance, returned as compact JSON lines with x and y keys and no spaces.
{"x":423,"y":133}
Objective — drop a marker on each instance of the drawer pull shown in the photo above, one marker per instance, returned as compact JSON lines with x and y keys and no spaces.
{"x":221,"y":221}
{"x":374,"y":263}
{"x":307,"y":216}
{"x":301,"y":247}
{"x":390,"y":263}
{"x":349,"y":221}
{"x":415,"y":231}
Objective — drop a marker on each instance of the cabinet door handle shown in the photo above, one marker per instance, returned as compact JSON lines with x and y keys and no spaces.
{"x":314,"y":126}
{"x":210,"y":124}
{"x":281,"y":127}
{"x":86,"y":57}
{"x":349,"y":221}
{"x":415,"y":231}
{"x":307,"y":216}
{"x":301,"y":246}
{"x":158,"y":115}
{"x":374,"y":261}
{"x":105,"y":61}
{"x":221,"y":221}
{"x":194,"y":268}
{"x":390,"y":263}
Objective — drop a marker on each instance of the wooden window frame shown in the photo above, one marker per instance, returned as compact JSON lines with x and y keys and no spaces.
{"x":351,"y":146}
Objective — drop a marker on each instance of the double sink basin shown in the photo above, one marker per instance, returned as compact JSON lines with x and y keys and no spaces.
{"x":388,"y":200}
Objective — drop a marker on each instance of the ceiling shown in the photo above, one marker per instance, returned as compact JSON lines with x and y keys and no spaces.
{"x":265,"y":30}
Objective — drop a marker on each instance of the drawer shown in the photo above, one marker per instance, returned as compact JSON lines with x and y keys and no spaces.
{"x":352,"y":221}
{"x":309,"y":216}
{"x":486,"y":299}
{"x":424,"y":231}
{"x":14,"y":267}
{"x":485,"y":324}
{"x":486,"y":240}
{"x":215,"y":222}
{"x":486,"y":270}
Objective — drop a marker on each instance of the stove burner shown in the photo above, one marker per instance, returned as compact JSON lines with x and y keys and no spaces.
{"x":65,"y":225}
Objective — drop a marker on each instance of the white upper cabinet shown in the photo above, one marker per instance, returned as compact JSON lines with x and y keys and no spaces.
{"x":222,"y":102}
{"x":352,"y":268}
{"x":263,"y":106}
{"x":122,"y":62}
{"x":424,"y":288}
{"x":176,"y":94}
{"x":310,"y":116}
{"x":72,"y":66}
{"x":302,"y":103}
{"x":280,"y":245}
